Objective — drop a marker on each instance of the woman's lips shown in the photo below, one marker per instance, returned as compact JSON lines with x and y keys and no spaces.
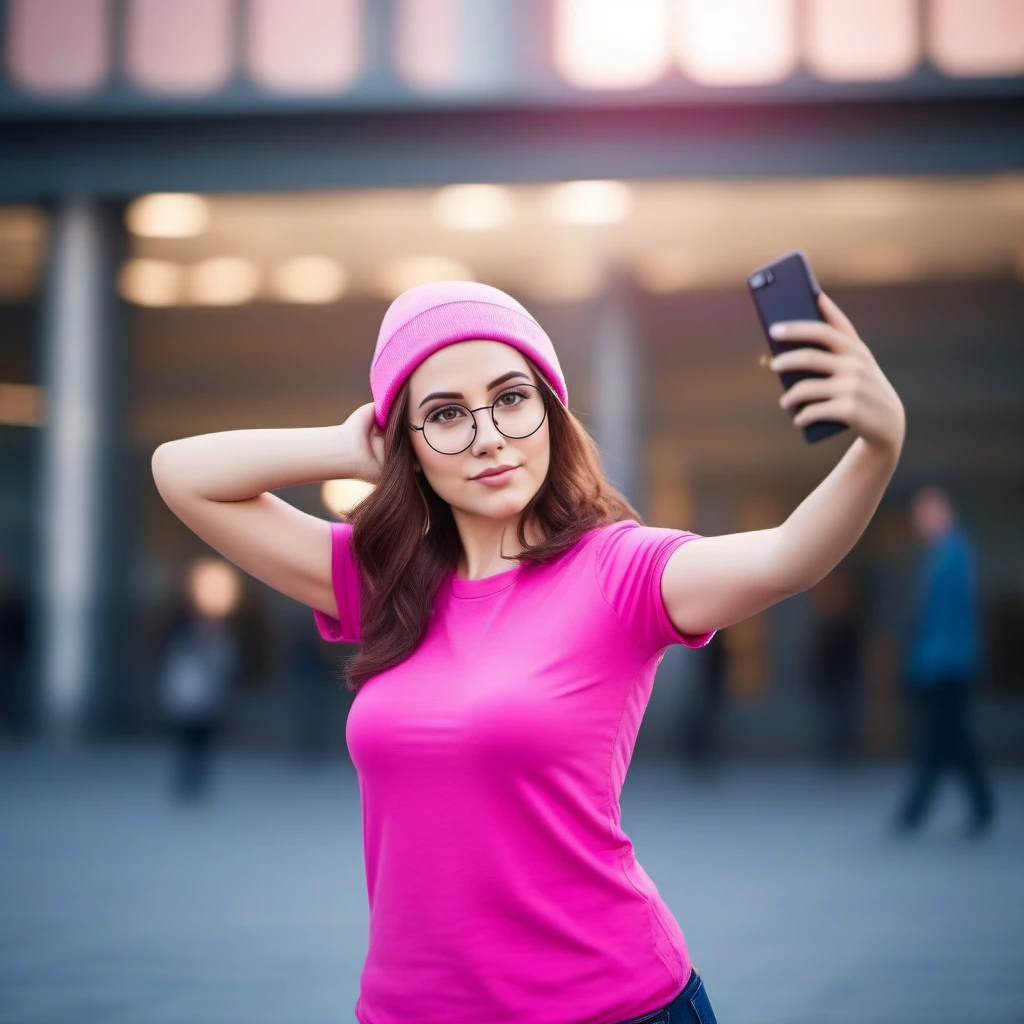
{"x":496,"y":479}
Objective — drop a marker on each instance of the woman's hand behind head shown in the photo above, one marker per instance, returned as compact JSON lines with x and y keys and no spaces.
{"x":366,"y":444}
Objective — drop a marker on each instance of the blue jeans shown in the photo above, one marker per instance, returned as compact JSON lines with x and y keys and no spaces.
{"x":691,"y":1006}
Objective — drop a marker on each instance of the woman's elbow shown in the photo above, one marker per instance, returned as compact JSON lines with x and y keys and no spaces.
{"x":166,"y":467}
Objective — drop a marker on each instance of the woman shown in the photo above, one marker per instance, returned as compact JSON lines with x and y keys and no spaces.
{"x":511,"y":621}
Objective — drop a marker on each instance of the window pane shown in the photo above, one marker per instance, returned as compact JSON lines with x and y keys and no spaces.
{"x":308,"y":46}
{"x":863,"y":40}
{"x":179,"y":46}
{"x":454,"y":44}
{"x":58,"y":46}
{"x":612,"y":44}
{"x":427,"y":44}
{"x":977,"y":37}
{"x":736,"y":42}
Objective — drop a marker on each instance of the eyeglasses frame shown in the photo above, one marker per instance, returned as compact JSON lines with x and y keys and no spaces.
{"x":480,"y":408}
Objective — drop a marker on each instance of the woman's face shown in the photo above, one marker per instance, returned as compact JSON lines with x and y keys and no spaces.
{"x":463,"y":372}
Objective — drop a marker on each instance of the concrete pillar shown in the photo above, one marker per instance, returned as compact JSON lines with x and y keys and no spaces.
{"x":618,"y":387}
{"x":78,"y":441}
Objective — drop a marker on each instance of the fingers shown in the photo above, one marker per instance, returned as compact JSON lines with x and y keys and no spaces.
{"x":812,"y":390}
{"x":812,"y":330}
{"x":835,"y":316}
{"x":836,"y":409}
{"x":806,"y":359}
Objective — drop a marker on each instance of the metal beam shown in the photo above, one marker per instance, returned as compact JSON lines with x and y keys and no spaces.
{"x":107,"y":159}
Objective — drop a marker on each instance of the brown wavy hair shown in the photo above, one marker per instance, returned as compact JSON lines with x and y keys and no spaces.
{"x":401,"y":570}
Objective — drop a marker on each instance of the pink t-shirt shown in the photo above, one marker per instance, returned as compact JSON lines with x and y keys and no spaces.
{"x":502,"y":888}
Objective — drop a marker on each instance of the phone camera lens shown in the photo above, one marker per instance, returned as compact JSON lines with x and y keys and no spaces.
{"x":758,"y":280}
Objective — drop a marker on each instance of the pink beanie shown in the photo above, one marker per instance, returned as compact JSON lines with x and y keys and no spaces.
{"x":430,"y":316}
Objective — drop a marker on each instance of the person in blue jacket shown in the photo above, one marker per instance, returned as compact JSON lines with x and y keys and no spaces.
{"x":943,"y":662}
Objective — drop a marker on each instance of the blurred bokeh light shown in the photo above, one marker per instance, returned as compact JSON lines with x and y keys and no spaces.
{"x":588,"y":202}
{"x":409,"y":271}
{"x":150,"y":282}
{"x":478,"y":207}
{"x":341,"y":496}
{"x":312,"y":279}
{"x":167,"y":215}
{"x":223,"y":281}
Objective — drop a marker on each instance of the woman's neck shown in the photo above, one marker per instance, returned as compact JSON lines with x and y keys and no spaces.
{"x":483,"y":545}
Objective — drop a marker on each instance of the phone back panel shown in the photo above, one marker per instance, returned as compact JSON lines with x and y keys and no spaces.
{"x":791,"y":293}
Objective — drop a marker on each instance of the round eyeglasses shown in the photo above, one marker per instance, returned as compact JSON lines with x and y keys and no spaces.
{"x":517,"y":412}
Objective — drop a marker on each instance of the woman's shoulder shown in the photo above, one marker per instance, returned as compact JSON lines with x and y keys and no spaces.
{"x":601,"y":542}
{"x":630,"y":543}
{"x":597,"y":536}
{"x":609,"y":533}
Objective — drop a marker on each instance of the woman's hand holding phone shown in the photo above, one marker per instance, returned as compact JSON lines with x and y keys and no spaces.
{"x":854,"y":390}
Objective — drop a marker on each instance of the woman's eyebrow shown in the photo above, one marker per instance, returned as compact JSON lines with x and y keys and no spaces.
{"x":457,"y":394}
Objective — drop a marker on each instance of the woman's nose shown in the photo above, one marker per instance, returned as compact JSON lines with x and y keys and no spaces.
{"x":487,"y":434}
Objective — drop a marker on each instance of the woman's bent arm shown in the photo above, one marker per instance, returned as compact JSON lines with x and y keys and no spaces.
{"x":217,"y":485}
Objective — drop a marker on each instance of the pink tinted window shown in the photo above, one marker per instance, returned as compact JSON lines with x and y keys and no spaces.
{"x":977,"y":37}
{"x":308,"y":46}
{"x":179,"y":46}
{"x":58,"y":46}
{"x":736,"y":42}
{"x":619,"y":45}
{"x":862,"y":40}
{"x":427,"y":43}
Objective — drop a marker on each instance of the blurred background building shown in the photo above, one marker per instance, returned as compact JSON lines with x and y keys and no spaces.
{"x":206,"y":206}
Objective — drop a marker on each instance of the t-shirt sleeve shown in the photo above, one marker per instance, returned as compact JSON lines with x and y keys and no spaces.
{"x":629,"y":561}
{"x":345,"y":579}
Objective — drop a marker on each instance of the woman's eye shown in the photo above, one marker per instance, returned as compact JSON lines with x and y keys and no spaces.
{"x":441,"y":415}
{"x":510,"y":394}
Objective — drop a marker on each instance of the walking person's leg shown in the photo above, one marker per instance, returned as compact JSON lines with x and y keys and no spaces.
{"x":929,"y":758}
{"x":206,"y":733}
{"x":191,"y":777}
{"x":966,"y":758}
{"x":182,"y":770}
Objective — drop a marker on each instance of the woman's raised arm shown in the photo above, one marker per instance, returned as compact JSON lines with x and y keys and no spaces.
{"x":712,"y":582}
{"x":218,"y":484}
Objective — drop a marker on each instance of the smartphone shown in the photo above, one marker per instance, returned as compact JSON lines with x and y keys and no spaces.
{"x":785,"y":289}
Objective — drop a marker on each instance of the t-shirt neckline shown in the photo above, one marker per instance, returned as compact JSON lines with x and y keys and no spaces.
{"x":503,"y":580}
{"x":485,"y":586}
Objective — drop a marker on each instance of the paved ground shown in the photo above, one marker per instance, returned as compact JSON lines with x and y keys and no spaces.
{"x":118,"y":907}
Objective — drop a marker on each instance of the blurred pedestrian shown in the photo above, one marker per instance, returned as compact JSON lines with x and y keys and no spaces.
{"x":199,"y":665}
{"x":943,"y":662}
{"x":834,"y":665}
